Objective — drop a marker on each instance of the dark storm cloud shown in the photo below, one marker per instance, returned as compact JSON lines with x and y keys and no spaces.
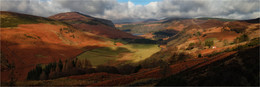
{"x":128,"y":11}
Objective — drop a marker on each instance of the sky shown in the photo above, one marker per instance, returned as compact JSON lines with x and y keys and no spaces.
{"x":139,"y":2}
{"x":138,"y":10}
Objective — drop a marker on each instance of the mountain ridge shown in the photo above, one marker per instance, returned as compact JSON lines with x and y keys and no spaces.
{"x":93,"y":25}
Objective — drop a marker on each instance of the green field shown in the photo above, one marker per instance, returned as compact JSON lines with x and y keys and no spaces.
{"x":102,"y":55}
{"x":142,"y":51}
{"x":110,"y":54}
{"x":211,"y":39}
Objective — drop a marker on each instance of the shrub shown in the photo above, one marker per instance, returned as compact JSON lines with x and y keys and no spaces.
{"x":199,"y":55}
{"x":29,"y":36}
{"x":178,"y":57}
{"x":225,"y":42}
{"x":35,"y":73}
{"x":241,"y":38}
{"x":254,"y":42}
{"x":198,"y":33}
{"x":209,"y":43}
{"x":191,"y":46}
{"x":60,"y":65}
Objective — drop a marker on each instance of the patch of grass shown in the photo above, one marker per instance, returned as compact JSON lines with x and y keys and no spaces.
{"x":101,"y":56}
{"x":40,"y":56}
{"x":210,"y":39}
{"x":142,"y":51}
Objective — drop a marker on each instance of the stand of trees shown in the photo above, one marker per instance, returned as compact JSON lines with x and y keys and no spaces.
{"x":241,"y":38}
{"x":60,"y":69}
{"x":75,"y":67}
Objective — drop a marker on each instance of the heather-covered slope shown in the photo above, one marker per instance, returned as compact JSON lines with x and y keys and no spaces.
{"x":35,"y":40}
{"x":93,"y":25}
{"x":189,"y":49}
{"x":241,"y":68}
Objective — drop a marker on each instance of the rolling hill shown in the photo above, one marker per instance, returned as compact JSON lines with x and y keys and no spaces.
{"x":93,"y":25}
{"x":28,"y":40}
{"x":75,"y":49}
{"x":237,"y":69}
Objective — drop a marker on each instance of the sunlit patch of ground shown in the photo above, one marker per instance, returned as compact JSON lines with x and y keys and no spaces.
{"x":130,"y":52}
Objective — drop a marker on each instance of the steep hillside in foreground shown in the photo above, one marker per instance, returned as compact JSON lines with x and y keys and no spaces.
{"x":93,"y":25}
{"x":241,"y":68}
{"x":36,"y":40}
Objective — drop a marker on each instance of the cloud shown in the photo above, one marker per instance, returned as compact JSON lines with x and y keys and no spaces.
{"x":128,"y":11}
{"x":34,"y":7}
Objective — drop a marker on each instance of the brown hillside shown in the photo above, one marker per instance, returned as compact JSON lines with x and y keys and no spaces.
{"x":93,"y":25}
{"x":29,"y":44}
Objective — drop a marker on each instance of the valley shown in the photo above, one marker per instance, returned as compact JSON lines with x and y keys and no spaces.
{"x":75,"y":49}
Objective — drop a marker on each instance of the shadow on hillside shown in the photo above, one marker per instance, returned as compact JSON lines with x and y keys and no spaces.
{"x":235,"y":70}
{"x":27,"y":55}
